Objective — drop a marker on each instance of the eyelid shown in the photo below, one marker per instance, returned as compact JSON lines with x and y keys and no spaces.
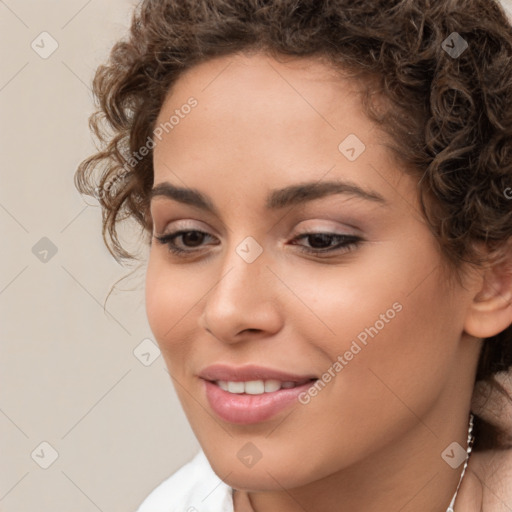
{"x":333,"y":227}
{"x":306,"y":227}
{"x":181,"y":225}
{"x":350,"y":242}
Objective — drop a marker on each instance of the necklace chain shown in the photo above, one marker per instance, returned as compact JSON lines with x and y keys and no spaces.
{"x":471,"y":439}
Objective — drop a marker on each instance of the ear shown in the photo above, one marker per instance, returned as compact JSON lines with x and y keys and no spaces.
{"x":490,"y":311}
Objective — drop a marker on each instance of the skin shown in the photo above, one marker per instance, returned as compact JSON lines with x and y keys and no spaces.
{"x":372,"y":438}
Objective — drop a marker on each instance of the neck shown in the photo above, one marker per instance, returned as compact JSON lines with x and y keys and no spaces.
{"x":410,"y":476}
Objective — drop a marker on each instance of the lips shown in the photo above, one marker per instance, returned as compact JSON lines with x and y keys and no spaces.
{"x":251,"y":394}
{"x":223,"y":372}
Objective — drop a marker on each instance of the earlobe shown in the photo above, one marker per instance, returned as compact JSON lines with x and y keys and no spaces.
{"x":490,"y":311}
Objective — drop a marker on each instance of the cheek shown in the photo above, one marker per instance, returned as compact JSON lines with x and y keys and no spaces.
{"x":390,"y":318}
{"x":170,"y":297}
{"x":159,"y":299}
{"x":406,"y":358}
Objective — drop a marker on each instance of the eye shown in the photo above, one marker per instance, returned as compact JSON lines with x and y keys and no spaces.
{"x":192,"y":237}
{"x":322,"y":243}
{"x":319,"y":243}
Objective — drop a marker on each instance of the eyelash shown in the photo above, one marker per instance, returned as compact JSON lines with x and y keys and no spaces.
{"x":348,"y":243}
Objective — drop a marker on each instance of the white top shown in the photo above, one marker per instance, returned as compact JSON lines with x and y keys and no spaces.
{"x":193,"y":488}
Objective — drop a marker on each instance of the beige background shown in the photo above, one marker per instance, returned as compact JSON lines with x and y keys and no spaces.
{"x":70,"y":375}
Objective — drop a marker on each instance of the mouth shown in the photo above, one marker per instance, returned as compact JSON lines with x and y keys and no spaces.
{"x":258,"y":387}
{"x":255,"y":401}
{"x":251,"y":373}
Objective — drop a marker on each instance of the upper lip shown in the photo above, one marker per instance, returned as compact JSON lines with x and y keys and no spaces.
{"x":249,"y":372}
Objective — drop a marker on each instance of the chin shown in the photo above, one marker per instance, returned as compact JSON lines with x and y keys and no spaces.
{"x":267,"y":474}
{"x":253,"y":480}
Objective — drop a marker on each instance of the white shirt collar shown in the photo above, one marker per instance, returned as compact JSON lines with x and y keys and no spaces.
{"x":193,"y":488}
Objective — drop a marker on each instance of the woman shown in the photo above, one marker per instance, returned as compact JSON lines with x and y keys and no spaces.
{"x":324,"y":186}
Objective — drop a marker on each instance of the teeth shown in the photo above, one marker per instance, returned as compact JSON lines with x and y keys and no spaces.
{"x":272,"y":385}
{"x":255,"y":387}
{"x":236,"y":387}
{"x":222,"y":384}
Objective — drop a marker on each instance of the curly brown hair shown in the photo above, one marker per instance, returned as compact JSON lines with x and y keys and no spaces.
{"x":449,"y":116}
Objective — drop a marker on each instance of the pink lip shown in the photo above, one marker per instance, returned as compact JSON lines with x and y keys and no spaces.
{"x":245,"y":409}
{"x":249,"y":372}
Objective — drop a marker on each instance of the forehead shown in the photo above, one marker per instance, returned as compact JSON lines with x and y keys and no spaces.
{"x":268,"y":93}
{"x":257,"y":119}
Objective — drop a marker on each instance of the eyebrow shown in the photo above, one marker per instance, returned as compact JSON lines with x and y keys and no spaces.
{"x":277,"y":199}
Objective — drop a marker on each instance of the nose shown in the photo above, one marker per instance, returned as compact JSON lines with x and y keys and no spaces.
{"x":244,"y":301}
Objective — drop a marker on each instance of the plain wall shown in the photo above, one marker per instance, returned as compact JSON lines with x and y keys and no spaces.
{"x":69,"y":375}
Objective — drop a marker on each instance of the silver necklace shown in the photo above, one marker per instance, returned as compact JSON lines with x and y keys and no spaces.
{"x":471,"y":439}
{"x":469,"y":448}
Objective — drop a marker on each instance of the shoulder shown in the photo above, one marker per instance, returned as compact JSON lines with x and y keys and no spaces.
{"x":498,"y":482}
{"x":493,"y":471}
{"x":193,"y":488}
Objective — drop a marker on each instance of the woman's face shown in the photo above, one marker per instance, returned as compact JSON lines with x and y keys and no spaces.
{"x":276,"y":151}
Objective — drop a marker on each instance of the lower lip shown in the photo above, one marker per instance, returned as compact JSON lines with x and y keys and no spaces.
{"x":245,"y":409}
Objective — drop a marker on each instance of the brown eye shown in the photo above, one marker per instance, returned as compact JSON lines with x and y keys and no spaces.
{"x":190,"y":239}
{"x":322,"y":243}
